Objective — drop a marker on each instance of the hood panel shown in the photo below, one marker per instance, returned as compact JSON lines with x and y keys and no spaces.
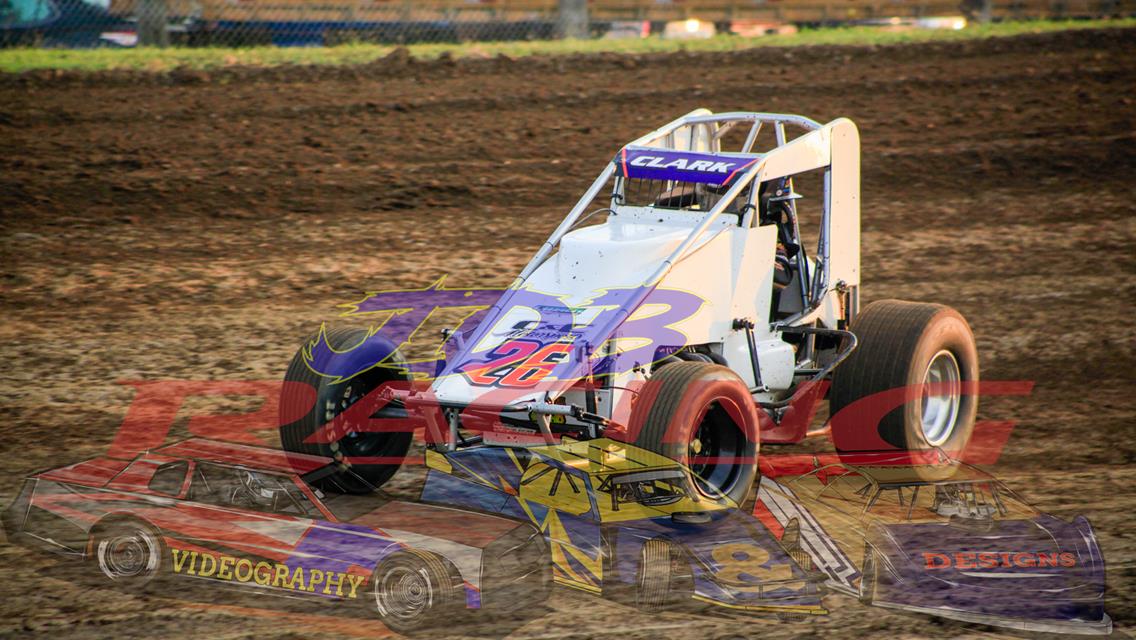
{"x":471,"y":529}
{"x":587,"y":292}
{"x":608,"y":255}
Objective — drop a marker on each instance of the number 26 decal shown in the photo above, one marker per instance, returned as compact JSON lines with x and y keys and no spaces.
{"x":517,"y":363}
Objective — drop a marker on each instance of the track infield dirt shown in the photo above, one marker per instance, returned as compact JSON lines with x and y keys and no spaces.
{"x":196,"y":226}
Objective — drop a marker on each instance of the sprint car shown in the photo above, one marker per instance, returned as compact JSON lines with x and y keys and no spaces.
{"x":626,"y":523}
{"x":966,"y":547}
{"x":242,"y":516}
{"x":683,"y":314}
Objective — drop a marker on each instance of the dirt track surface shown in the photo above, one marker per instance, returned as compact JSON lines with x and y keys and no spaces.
{"x":198,"y":226}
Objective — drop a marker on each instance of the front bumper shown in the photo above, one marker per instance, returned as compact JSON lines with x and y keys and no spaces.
{"x":14,"y":517}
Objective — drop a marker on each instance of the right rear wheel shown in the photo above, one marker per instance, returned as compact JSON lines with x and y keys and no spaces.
{"x":921,"y":362}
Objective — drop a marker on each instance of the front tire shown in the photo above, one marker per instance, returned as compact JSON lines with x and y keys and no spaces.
{"x":702,"y":416}
{"x":332,"y":399}
{"x":414,"y":590}
{"x":925,"y":350}
{"x":659,"y":581}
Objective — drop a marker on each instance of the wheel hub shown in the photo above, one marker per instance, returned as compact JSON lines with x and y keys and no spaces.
{"x":126,"y":556}
{"x":354,"y":443}
{"x":404,"y":593}
{"x":940,"y":399}
{"x":713,"y":449}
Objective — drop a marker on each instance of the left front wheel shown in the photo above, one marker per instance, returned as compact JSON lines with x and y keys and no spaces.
{"x":332,"y":398}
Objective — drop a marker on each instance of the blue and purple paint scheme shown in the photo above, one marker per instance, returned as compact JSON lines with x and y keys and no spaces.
{"x":600,"y":504}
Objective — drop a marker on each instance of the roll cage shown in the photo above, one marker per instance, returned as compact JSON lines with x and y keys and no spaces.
{"x":833,"y":147}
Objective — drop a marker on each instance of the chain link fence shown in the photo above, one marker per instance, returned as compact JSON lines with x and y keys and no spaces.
{"x":88,"y":23}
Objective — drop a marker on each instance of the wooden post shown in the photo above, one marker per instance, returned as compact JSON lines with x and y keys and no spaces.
{"x":572,"y":19}
{"x":152,"y":17}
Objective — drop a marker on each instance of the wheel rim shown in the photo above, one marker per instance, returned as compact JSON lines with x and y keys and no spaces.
{"x":127,"y":556}
{"x":354,"y":443}
{"x":939,"y":409}
{"x":713,"y":450}
{"x":403,"y":593}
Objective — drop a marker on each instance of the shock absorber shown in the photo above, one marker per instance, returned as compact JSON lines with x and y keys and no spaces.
{"x":742,"y":323}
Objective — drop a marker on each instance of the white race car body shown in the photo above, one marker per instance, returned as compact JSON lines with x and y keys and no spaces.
{"x":721,"y":252}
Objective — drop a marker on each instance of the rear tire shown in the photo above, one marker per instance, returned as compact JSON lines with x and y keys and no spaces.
{"x":332,"y":399}
{"x":702,"y":416}
{"x":926,"y":349}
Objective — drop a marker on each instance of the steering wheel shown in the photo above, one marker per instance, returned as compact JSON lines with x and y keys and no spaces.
{"x":255,"y":490}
